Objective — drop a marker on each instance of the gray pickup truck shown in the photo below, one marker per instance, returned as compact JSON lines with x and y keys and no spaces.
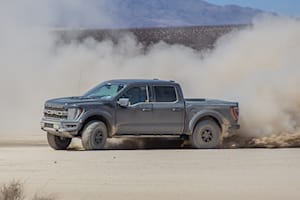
{"x":137,"y":107}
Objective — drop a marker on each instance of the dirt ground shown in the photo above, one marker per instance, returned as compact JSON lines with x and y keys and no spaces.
{"x":164,"y":172}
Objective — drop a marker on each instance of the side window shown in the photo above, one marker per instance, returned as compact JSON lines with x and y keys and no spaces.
{"x":136,"y":94}
{"x":165,"y":93}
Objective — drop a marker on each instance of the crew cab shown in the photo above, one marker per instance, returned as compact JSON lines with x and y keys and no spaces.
{"x":137,"y":108}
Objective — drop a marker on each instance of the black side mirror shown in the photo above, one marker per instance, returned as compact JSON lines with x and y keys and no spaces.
{"x":123,"y":102}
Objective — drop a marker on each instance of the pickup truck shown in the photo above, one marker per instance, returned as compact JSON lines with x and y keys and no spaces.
{"x":137,"y":108}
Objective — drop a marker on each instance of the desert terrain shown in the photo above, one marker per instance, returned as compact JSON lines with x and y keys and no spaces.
{"x":164,"y":171}
{"x":54,"y":49}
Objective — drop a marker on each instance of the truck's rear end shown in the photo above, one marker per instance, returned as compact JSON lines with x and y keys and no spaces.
{"x":207,"y":121}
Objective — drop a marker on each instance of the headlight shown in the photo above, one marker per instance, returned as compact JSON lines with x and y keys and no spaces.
{"x":73,"y":113}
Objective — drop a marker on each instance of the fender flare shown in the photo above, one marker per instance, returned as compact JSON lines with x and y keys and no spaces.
{"x":202,"y":114}
{"x":106,"y":116}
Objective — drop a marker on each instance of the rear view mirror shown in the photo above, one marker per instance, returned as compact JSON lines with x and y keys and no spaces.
{"x":123,"y":102}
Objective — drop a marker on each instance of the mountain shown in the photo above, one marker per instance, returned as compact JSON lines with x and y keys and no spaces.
{"x":148,"y":13}
{"x":166,"y":13}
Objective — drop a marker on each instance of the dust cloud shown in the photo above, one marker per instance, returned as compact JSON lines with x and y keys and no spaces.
{"x":257,"y":66}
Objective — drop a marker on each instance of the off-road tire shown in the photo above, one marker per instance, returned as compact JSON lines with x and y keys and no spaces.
{"x":57,"y":142}
{"x":206,"y":135}
{"x":94,"y":136}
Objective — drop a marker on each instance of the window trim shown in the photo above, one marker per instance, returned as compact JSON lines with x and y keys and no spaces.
{"x":169,"y":102}
{"x":132,"y":86}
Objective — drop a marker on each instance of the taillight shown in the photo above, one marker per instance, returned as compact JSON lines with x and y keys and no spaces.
{"x":235,"y":112}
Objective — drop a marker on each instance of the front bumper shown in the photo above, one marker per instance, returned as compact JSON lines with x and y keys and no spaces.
{"x":61,"y":128}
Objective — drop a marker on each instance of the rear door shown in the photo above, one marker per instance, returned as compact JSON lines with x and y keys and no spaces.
{"x":168,"y":110}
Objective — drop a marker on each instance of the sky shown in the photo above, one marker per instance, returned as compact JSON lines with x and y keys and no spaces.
{"x":283,"y":7}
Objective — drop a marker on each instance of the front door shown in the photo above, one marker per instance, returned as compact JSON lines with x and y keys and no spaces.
{"x":137,"y":117}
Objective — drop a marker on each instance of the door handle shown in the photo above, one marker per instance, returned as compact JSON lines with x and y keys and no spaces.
{"x":176,"y":109}
{"x":146,"y":109}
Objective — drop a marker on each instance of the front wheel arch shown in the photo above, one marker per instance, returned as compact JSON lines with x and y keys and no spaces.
{"x":57,"y":142}
{"x":94,"y":135}
{"x":96,"y":118}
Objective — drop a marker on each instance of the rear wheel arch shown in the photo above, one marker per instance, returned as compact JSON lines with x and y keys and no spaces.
{"x":207,"y":134}
{"x":208,"y":117}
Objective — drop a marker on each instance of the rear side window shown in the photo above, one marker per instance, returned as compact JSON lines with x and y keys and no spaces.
{"x":165,"y":93}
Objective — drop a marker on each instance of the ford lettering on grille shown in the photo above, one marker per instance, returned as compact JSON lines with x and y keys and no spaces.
{"x":54,"y":112}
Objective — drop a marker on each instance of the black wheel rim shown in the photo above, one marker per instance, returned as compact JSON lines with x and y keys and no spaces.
{"x":63,"y":139}
{"x":98,"y":137}
{"x":207,"y":135}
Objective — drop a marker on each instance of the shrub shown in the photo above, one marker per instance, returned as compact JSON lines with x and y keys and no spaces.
{"x":12,"y":191}
{"x":15,"y":191}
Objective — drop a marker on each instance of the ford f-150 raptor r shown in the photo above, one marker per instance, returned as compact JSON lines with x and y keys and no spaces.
{"x":139,"y":108}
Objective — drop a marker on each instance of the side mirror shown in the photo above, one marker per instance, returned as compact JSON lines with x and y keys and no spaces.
{"x":123,"y":102}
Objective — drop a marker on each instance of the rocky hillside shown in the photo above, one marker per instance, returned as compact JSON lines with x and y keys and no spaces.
{"x":196,"y":37}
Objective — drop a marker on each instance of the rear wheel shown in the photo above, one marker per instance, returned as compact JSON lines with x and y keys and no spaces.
{"x":57,"y":142}
{"x":94,"y":135}
{"x":207,"y":135}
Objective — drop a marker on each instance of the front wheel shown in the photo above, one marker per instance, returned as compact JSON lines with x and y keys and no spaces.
{"x":94,"y":136}
{"x":57,"y":142}
{"x":207,"y":135}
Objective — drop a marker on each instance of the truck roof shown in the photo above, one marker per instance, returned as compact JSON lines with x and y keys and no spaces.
{"x":140,"y":81}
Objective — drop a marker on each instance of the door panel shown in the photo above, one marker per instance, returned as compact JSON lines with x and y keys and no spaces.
{"x":168,"y":118}
{"x":168,"y":110}
{"x":136,"y":119}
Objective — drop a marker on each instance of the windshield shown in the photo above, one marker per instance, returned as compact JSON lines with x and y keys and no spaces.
{"x":106,"y":90}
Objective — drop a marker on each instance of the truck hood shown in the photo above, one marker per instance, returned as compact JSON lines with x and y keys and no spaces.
{"x":65,"y":102}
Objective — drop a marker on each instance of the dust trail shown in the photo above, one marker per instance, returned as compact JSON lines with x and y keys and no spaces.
{"x":282,"y":140}
{"x":257,"y":66}
{"x":133,"y":143}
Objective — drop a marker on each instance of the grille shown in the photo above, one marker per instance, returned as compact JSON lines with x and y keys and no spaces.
{"x":54,"y":107}
{"x":54,"y":116}
{"x":55,"y":112}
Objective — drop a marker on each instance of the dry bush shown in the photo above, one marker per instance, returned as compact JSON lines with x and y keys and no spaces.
{"x":12,"y":191}
{"x":15,"y":191}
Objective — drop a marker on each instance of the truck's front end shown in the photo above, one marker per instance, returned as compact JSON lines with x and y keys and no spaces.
{"x":65,"y":118}
{"x":61,"y":119}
